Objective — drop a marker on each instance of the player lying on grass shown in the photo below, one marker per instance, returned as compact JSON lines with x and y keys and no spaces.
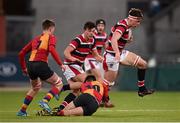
{"x":86,"y":103}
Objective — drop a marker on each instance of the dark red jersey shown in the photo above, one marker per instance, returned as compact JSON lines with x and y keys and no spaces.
{"x":121,"y":27}
{"x":93,"y":88}
{"x":81,"y":49}
{"x":40,"y":48}
{"x":100,"y":40}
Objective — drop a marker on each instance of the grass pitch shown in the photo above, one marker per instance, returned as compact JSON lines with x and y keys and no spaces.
{"x":159,"y":107}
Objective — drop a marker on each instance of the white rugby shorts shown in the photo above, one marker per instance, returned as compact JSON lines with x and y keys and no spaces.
{"x":110,"y":64}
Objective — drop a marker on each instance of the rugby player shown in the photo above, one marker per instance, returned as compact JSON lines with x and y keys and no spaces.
{"x":37,"y":67}
{"x":115,"y":54}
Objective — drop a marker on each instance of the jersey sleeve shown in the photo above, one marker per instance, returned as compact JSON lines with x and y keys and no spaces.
{"x":121,"y":29}
{"x":94,"y":45}
{"x":22,"y":54}
{"x":75,"y":43}
{"x":52,"y":45}
{"x":52,"y":41}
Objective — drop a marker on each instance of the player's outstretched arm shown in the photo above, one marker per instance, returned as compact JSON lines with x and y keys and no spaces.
{"x":55,"y":55}
{"x":72,"y":86}
{"x":67,"y":53}
{"x":97,"y":56}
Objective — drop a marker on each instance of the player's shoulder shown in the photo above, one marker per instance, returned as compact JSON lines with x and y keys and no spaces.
{"x":77,"y":37}
{"x":123,"y":23}
{"x":100,"y":35}
{"x":52,"y":36}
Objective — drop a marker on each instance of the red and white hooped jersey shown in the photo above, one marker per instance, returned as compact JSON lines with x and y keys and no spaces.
{"x":121,"y":27}
{"x":100,"y":40}
{"x":82,"y":49}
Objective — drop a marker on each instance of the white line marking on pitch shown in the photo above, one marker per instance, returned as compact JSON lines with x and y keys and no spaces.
{"x":121,"y":110}
{"x":139,"y":110}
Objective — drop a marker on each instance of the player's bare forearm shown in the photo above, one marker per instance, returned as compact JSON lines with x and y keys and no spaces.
{"x":75,"y":85}
{"x":97,"y":56}
{"x":67,"y":53}
{"x":70,"y":57}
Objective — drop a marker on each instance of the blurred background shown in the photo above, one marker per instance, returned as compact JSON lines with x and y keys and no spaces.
{"x":157,"y":39}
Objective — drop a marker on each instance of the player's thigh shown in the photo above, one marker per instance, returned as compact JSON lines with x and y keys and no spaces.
{"x":87,"y":102}
{"x":129,"y":59}
{"x":53,"y":78}
{"x":134,"y":60}
{"x":80,"y":77}
{"x":96,"y":73}
{"x":110,"y":75}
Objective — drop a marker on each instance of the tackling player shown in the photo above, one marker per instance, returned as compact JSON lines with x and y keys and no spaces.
{"x":88,"y":102}
{"x":75,"y":54}
{"x":91,"y":65}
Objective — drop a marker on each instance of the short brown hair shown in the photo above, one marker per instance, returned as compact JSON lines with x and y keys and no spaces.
{"x":136,"y":12}
{"x":89,"y":25}
{"x":47,"y":23}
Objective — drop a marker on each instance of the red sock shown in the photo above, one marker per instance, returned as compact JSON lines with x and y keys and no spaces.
{"x":26,"y":103}
{"x":140,"y":83}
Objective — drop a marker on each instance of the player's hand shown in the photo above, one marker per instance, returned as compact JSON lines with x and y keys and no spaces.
{"x":25,"y":73}
{"x":63,"y":67}
{"x":75,"y":59}
{"x":101,"y":59}
{"x":130,"y":39}
{"x":117,"y":57}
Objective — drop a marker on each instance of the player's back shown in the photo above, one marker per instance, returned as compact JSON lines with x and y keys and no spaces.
{"x":40,"y":47}
{"x":93,"y":88}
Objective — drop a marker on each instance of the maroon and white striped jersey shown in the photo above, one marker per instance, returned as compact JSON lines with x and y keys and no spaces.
{"x":82,"y":49}
{"x":100,"y":40}
{"x":121,"y":27}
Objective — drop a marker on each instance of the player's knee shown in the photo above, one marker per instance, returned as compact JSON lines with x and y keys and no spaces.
{"x":36,"y":87}
{"x":145,"y":65}
{"x":88,"y":112}
{"x":58,"y":82}
{"x":142,"y":64}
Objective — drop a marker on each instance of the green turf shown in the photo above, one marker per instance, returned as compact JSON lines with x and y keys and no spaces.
{"x":161,"y":106}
